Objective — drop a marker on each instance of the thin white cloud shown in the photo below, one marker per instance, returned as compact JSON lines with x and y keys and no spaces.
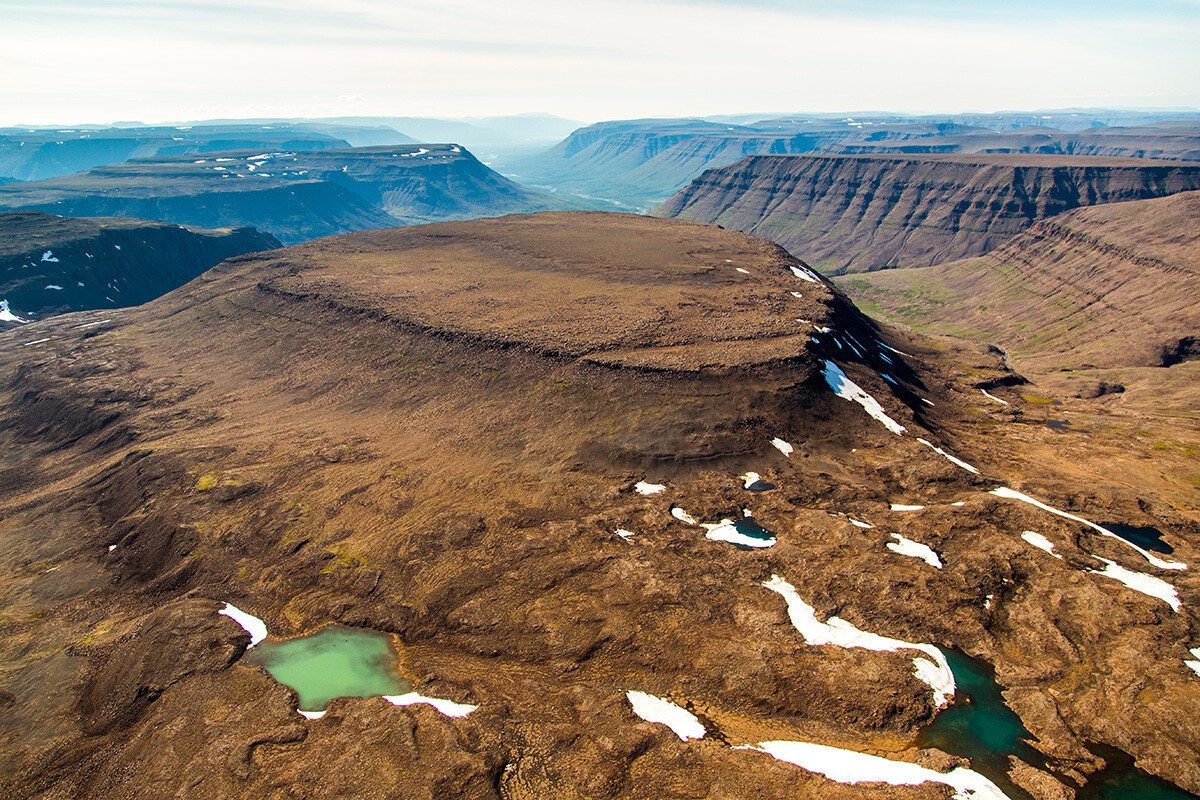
{"x":170,"y":59}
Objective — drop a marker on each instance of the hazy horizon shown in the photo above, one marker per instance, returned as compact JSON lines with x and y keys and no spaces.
{"x":75,"y":62}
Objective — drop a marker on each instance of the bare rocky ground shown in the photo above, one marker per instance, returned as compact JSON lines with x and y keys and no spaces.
{"x":436,"y":432}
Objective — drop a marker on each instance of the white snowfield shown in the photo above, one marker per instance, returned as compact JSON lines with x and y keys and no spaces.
{"x":649,"y":488}
{"x":1013,"y":494}
{"x":847,"y":766}
{"x":958,"y":462}
{"x":624,"y":534}
{"x":310,"y":714}
{"x":782,"y":446}
{"x":1140,"y":582}
{"x":907,"y":547}
{"x":1040,"y":542}
{"x":446,"y":707}
{"x":1194,"y":665}
{"x":250,"y":623}
{"x":837,"y":631}
{"x":902,"y":507}
{"x":655,"y":709}
{"x":847,"y":389}
{"x":993,"y":397}
{"x":749,"y":479}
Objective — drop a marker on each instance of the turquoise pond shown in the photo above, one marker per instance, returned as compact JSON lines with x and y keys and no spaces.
{"x":334,"y":662}
{"x":979,"y":726}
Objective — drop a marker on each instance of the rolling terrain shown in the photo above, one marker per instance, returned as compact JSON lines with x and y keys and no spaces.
{"x":294,"y":196}
{"x":519,"y":447}
{"x":52,"y":265}
{"x":865,"y":213}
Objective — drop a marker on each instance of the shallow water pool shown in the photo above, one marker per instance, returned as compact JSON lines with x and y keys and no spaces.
{"x":334,"y":662}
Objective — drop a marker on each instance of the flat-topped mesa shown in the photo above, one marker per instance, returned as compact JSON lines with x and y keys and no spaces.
{"x":857,"y":213}
{"x":620,"y":337}
{"x":613,"y":289}
{"x":293,"y":195}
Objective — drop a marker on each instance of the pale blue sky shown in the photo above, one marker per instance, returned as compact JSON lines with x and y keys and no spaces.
{"x":74,"y":61}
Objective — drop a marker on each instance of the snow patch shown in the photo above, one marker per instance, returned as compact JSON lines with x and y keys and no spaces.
{"x":54,"y":287}
{"x":749,"y":479}
{"x":310,"y":714}
{"x":92,"y":324}
{"x":446,"y":707}
{"x":649,"y":488}
{"x":49,"y":256}
{"x":1140,"y":582}
{"x":859,"y":523}
{"x":993,"y":397}
{"x":250,"y":623}
{"x":1040,"y":542}
{"x":36,"y":341}
{"x":681,"y":515}
{"x":837,"y":631}
{"x":958,"y":462}
{"x":782,"y":446}
{"x":8,"y":316}
{"x":726,"y":531}
{"x":805,"y":274}
{"x":624,"y":534}
{"x":1013,"y":494}
{"x":845,"y":388}
{"x":655,"y":709}
{"x":1194,"y":665}
{"x":848,"y":766}
{"x":796,"y":295}
{"x":744,"y":271}
{"x":907,"y":547}
{"x":901,"y":507}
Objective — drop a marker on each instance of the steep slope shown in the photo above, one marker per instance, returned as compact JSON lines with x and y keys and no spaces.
{"x":36,"y":154}
{"x":1178,"y":142}
{"x":293,"y":195}
{"x":51,"y":264}
{"x":864,"y":213}
{"x":520,"y":446}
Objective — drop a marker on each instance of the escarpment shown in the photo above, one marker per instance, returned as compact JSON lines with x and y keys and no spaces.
{"x":865,"y":213}
{"x":51,"y":264}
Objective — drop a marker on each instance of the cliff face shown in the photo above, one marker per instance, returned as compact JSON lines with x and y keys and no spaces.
{"x":863,"y":213}
{"x":641,"y":163}
{"x":295,"y":196}
{"x":51,"y":264}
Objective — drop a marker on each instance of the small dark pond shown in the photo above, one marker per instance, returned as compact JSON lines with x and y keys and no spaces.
{"x":979,"y":726}
{"x":334,"y":662}
{"x":760,"y":486}
{"x":1064,"y":425}
{"x":1148,"y":538}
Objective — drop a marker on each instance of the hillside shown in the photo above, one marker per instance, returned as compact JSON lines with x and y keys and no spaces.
{"x":519,"y":449}
{"x":295,"y":196}
{"x":864,"y":213}
{"x":52,"y":265}
{"x":1100,"y":301}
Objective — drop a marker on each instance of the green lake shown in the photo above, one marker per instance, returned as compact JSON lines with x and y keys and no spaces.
{"x":334,"y":662}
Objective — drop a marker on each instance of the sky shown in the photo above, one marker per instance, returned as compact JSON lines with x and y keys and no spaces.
{"x":101,"y":61}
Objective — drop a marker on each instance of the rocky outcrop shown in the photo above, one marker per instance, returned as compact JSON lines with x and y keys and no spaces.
{"x":51,"y":264}
{"x":295,"y":196}
{"x":865,"y":213}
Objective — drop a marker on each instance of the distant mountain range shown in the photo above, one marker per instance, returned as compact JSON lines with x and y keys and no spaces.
{"x":294,"y":195}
